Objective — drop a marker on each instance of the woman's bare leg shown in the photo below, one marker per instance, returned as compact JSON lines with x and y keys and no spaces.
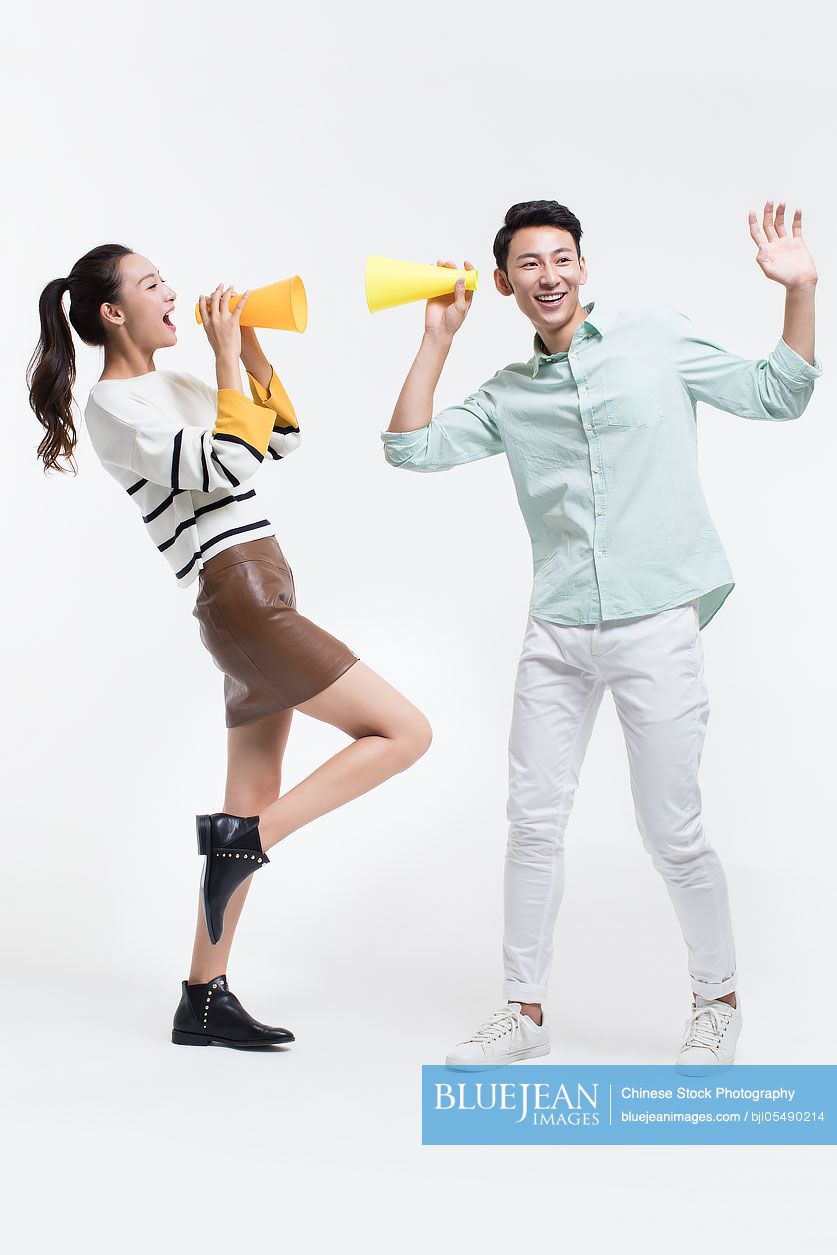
{"x":254,"y":775}
{"x":389,"y":733}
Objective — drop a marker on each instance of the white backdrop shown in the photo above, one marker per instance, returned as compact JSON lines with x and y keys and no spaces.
{"x":243,"y":144}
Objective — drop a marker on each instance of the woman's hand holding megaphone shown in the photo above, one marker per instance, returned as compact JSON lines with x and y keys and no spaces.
{"x":223,"y":333}
{"x":444,"y":315}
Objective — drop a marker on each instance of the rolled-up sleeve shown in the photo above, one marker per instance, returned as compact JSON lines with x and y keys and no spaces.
{"x":284,"y":437}
{"x":777,"y":387}
{"x":458,"y":434}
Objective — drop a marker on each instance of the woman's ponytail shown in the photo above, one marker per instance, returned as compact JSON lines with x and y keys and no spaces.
{"x":94,"y":280}
{"x":51,"y":375}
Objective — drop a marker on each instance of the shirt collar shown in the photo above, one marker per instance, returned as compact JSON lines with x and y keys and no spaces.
{"x":597,"y":321}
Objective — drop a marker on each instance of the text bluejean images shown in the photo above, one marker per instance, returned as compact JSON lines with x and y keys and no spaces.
{"x":631,"y":1104}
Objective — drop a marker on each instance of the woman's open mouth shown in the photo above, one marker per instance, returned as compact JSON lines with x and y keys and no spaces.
{"x":167,"y":319}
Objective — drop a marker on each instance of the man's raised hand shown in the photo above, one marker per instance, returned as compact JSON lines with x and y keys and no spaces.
{"x":783,"y":258}
{"x":444,"y":315}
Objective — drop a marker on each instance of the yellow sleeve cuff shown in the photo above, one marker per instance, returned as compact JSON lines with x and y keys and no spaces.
{"x":238,"y":416}
{"x":276,"y":399}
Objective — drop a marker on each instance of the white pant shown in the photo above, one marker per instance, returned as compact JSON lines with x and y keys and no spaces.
{"x":654,"y":667}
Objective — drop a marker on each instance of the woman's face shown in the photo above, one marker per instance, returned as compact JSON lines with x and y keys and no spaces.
{"x":145,"y":306}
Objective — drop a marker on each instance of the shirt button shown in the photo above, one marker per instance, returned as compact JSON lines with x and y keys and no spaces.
{"x":596,"y":470}
{"x":589,"y":426}
{"x":600,"y":553}
{"x":599,"y":511}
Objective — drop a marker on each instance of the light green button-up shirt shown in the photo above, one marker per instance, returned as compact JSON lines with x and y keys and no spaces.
{"x":602,"y":446}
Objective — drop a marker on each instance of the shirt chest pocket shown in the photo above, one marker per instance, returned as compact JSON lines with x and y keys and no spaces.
{"x":631,"y":394}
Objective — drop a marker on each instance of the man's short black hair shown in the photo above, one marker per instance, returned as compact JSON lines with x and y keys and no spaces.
{"x":534,"y":213}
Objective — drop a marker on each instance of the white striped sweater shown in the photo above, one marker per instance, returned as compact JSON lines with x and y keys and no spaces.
{"x":184,"y":452}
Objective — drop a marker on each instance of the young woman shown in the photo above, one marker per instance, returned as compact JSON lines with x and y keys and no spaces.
{"x":186,"y":454}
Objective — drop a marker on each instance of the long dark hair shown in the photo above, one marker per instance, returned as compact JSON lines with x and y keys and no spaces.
{"x":51,"y":374}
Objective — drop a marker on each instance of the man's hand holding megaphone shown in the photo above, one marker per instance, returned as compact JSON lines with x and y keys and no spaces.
{"x":444,"y":315}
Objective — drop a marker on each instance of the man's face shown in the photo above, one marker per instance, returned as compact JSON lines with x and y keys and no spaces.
{"x":544,"y":276}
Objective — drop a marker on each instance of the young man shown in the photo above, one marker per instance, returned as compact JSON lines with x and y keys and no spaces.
{"x":599,"y":429}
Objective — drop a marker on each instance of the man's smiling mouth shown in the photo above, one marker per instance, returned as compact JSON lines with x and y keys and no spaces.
{"x":550,"y":298}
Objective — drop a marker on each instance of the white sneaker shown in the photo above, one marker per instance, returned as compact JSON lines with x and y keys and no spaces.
{"x":506,"y":1037}
{"x":710,"y":1037}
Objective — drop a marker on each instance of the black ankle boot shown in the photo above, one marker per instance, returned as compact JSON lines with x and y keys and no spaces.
{"x":233,"y":851}
{"x":211,"y":1015}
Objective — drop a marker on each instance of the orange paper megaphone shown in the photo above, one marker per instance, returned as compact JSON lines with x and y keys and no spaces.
{"x":390,"y":282}
{"x":280,"y":306}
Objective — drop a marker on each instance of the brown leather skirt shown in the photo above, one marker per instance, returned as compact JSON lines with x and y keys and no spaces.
{"x":272,"y":657}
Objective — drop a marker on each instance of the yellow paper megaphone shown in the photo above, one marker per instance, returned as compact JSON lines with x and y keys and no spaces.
{"x":280,"y":306}
{"x":390,"y":282}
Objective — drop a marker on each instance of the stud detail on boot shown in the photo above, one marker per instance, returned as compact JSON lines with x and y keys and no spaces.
{"x":232,"y":851}
{"x":211,"y":1015}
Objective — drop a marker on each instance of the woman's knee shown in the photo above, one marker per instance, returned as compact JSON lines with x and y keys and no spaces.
{"x":413,"y":738}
